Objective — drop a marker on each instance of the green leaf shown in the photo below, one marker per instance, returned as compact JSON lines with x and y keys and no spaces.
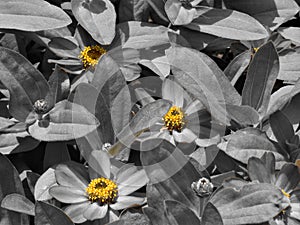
{"x":200,"y":76}
{"x":179,"y":214}
{"x":271,"y":13}
{"x":31,"y":15}
{"x":262,"y":169}
{"x":59,"y":84}
{"x":46,"y":214}
{"x":66,"y":121}
{"x":170,"y":174}
{"x":11,"y":185}
{"x":150,"y":39}
{"x":4,"y":123}
{"x":17,"y":142}
{"x":282,"y":128}
{"x":283,"y":96}
{"x":65,"y":47}
{"x":237,"y":66}
{"x":55,"y":153}
{"x":18,"y":203}
{"x":291,"y":33}
{"x":158,"y":8}
{"x":43,"y":184}
{"x":252,"y":204}
{"x":288,"y":177}
{"x":97,"y":17}
{"x":156,"y":217}
{"x":144,"y":119}
{"x":289,"y":66}
{"x":227,"y":23}
{"x":178,"y":14}
{"x":261,"y":78}
{"x":243,"y":115}
{"x":211,"y":215}
{"x":247,"y":143}
{"x":136,"y":10}
{"x":91,"y":98}
{"x":24,"y":82}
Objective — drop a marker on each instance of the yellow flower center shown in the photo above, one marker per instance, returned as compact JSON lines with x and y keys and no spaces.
{"x":102,"y":190}
{"x":90,"y":55}
{"x":174,"y":119}
{"x":285,"y":193}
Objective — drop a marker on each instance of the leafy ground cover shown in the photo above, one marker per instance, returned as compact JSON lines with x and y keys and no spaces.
{"x":149,"y":112}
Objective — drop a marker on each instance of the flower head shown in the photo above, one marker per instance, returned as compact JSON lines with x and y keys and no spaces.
{"x":174,"y":119}
{"x":102,"y":190}
{"x":90,"y":55}
{"x":202,"y":187}
{"x":40,"y":106}
{"x":92,"y":192}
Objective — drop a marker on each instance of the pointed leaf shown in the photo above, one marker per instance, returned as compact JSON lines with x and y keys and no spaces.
{"x":271,"y":13}
{"x":211,"y":215}
{"x":55,"y":153}
{"x":179,"y":214}
{"x":261,"y":78}
{"x":171,"y":174}
{"x":20,"y":15}
{"x":97,"y":17}
{"x":237,"y":66}
{"x":11,"y":185}
{"x":24,"y":82}
{"x":17,"y":142}
{"x":178,"y":14}
{"x":253,"y":203}
{"x":65,"y":121}
{"x":18,"y":203}
{"x":227,"y":23}
{"x":282,"y":128}
{"x":204,"y":80}
{"x":46,"y":214}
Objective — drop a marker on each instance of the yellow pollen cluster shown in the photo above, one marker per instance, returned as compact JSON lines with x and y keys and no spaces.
{"x":174,"y":119}
{"x":102,"y":190}
{"x":91,"y":54}
{"x":285,"y":193}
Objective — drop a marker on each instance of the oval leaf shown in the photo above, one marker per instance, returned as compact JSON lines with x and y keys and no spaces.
{"x":46,"y":214}
{"x":18,"y":203}
{"x":24,"y":82}
{"x":97,"y":17}
{"x":261,"y":78}
{"x":31,"y":15}
{"x":227,"y":23}
{"x":65,"y":121}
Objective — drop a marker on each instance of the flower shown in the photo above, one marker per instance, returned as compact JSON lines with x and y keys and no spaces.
{"x":98,"y":191}
{"x":287,"y":179}
{"x":40,"y":106}
{"x":185,"y":120}
{"x":90,"y":55}
{"x":203,"y":187}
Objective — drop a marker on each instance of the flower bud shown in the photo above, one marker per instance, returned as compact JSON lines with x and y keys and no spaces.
{"x":40,"y":106}
{"x":203,"y":187}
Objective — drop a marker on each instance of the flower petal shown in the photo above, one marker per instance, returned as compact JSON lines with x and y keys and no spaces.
{"x":129,"y":181}
{"x":95,"y":211}
{"x":288,"y":177}
{"x":72,"y":175}
{"x":124,"y":202}
{"x":67,"y":194}
{"x":193,"y":107}
{"x":173,"y":92}
{"x":99,"y":161}
{"x":186,"y":135}
{"x":75,"y":211}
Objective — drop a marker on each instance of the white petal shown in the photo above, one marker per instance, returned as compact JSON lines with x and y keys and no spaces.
{"x":95,"y":211}
{"x":124,"y":202}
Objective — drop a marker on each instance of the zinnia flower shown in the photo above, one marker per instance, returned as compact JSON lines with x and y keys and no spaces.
{"x":95,"y":191}
{"x":183,"y":120}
